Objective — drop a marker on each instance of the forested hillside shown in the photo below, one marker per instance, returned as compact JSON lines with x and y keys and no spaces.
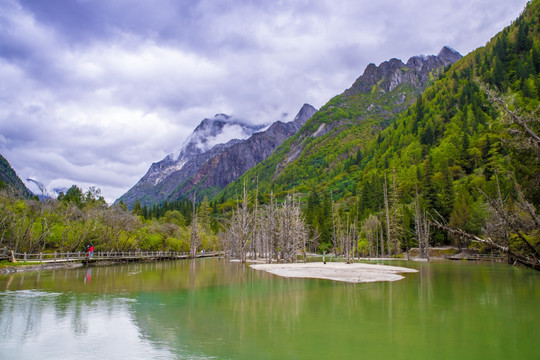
{"x":9,"y":179}
{"x":334,"y":139}
{"x":412,"y":155}
{"x":465,"y":155}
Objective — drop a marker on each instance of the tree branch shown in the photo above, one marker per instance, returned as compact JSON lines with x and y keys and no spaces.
{"x":532,"y":263}
{"x":498,"y":100}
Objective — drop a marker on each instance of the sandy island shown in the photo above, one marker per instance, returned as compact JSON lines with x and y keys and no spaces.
{"x":354,"y":273}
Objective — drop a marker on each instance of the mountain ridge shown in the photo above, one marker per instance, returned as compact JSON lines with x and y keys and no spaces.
{"x":234,"y":161}
{"x":355,"y":117}
{"x":175,"y":175}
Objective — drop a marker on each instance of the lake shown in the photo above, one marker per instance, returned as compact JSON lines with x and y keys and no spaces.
{"x":215,"y":309}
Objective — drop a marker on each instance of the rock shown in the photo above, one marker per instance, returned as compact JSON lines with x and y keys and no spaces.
{"x":205,"y":163}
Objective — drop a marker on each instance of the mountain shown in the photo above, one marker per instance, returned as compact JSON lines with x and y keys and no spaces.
{"x":209,"y":138}
{"x":211,"y":158}
{"x":457,"y":141}
{"x":455,"y":144}
{"x":343,"y":127}
{"x":8,"y":178}
{"x":390,"y":74}
{"x":235,"y":160}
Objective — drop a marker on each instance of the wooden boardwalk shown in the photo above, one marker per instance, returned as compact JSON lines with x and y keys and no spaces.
{"x":101,"y":256}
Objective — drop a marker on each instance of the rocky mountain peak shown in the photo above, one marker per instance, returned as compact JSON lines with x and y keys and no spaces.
{"x":390,"y":74}
{"x":449,"y":55}
{"x":373,"y":74}
{"x":305,"y":113}
{"x":219,"y":150}
{"x":423,"y":63}
{"x":212,"y":131}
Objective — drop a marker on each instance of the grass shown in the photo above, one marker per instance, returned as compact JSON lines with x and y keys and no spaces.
{"x":7,"y":263}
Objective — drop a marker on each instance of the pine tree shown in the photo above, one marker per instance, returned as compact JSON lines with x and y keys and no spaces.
{"x":137,"y":209}
{"x":460,"y":215}
{"x":498,"y":75}
{"x":445,"y":201}
{"x":523,"y":43}
{"x":419,"y":107}
{"x":429,"y":191}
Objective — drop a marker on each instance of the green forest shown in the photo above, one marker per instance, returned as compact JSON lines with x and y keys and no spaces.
{"x":460,"y":166}
{"x":76,"y":219}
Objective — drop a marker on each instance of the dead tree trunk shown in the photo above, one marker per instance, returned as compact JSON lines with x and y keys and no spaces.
{"x":527,"y":261}
{"x":387,"y":213}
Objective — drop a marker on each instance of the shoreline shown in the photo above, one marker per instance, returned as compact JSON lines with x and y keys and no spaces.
{"x":337,"y":271}
{"x":11,"y":269}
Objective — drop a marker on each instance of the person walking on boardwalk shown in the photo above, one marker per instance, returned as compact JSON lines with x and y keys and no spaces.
{"x":91,"y":249}
{"x":87,"y":251}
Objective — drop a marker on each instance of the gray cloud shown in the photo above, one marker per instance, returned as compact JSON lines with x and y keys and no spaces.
{"x":93,"y":92}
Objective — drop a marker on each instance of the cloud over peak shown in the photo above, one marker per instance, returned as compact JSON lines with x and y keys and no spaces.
{"x":92,"y":92}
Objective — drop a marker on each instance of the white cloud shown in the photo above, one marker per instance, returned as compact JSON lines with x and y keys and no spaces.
{"x":94,"y":92}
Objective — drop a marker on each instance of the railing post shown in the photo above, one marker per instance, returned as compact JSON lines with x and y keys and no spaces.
{"x":55,"y":256}
{"x":40,"y":257}
{"x":67,"y":256}
{"x":24,"y":257}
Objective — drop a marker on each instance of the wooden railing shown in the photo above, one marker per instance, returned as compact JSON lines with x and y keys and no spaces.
{"x":102,"y":256}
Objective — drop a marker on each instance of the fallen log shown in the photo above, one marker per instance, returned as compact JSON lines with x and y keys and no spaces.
{"x":532,"y":263}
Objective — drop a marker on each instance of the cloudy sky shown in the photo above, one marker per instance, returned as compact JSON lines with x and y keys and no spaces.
{"x":93,"y":91}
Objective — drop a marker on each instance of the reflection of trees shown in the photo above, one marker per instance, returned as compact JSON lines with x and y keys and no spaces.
{"x":26,"y":314}
{"x":297,"y":318}
{"x":222,"y":309}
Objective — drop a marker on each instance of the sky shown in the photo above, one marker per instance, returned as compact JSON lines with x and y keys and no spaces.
{"x":93,"y":91}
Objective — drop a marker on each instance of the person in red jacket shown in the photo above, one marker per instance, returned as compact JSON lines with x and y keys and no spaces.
{"x":91,"y":251}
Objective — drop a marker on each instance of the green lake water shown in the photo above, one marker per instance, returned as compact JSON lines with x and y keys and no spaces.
{"x":214,"y":309}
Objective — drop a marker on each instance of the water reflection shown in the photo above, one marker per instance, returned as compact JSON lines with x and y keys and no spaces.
{"x":88,"y":276}
{"x":211,"y":308}
{"x":39,"y":324}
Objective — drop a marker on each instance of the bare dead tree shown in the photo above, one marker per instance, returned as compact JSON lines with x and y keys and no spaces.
{"x":512,"y":220}
{"x":272,"y":228}
{"x":381,"y":237}
{"x":514,"y":256}
{"x":508,"y":230}
{"x":194,"y":238}
{"x":350,"y":240}
{"x":291,"y":228}
{"x":422,"y":229}
{"x":282,"y":232}
{"x":396,"y":229}
{"x":119,"y":227}
{"x":335,"y":225}
{"x":387,"y":214}
{"x":369,"y":227}
{"x":496,"y":98}
{"x":241,"y":226}
{"x":256,"y":238}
